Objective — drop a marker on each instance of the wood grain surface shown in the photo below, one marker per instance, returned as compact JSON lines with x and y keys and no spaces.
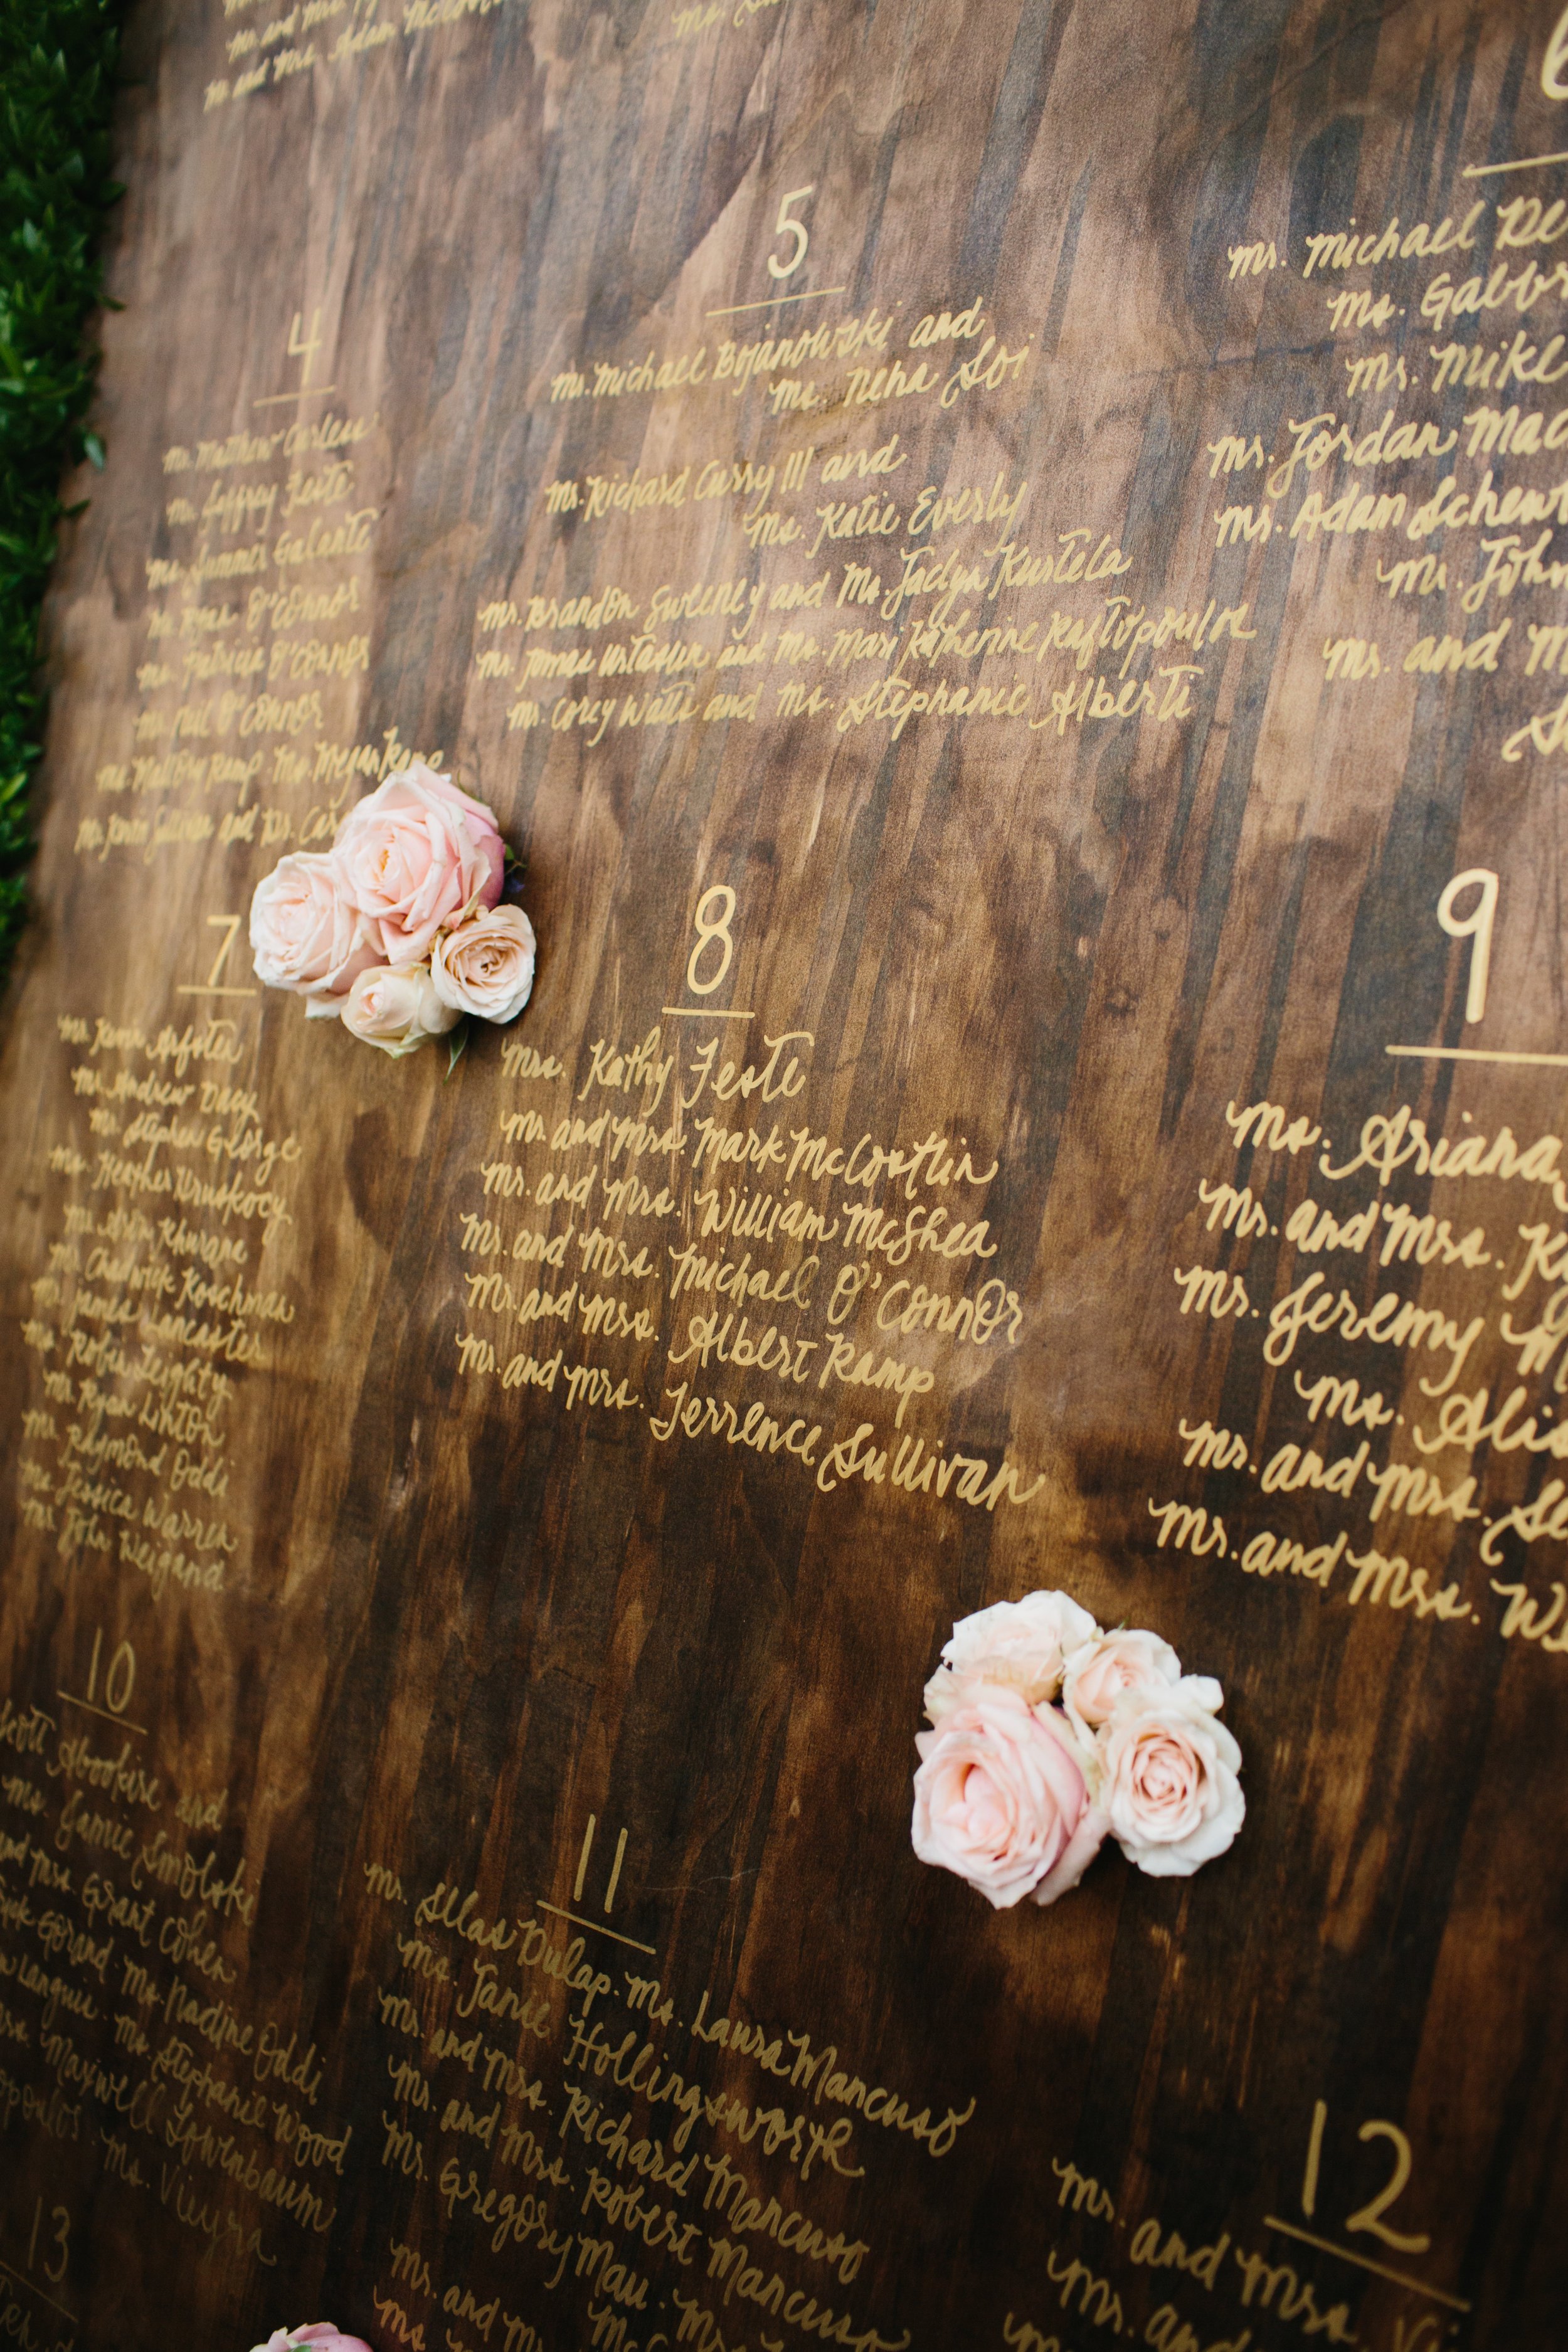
{"x":454,"y":1611}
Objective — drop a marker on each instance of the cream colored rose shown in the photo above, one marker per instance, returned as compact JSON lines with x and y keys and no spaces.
{"x":1168,"y":1778}
{"x":1021,"y":1643}
{"x":398,"y":1011}
{"x":486,"y":965}
{"x":1100,"y":1671}
{"x":306,"y":933}
{"x":412,"y":855}
{"x":1002,"y":1800}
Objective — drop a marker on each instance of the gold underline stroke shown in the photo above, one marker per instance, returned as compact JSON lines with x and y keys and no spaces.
{"x":1400,"y":2278}
{"x":103,"y":1715}
{"x":704,"y":1012}
{"x":733,"y":310}
{"x":1525,"y":163}
{"x":37,"y":2290}
{"x":1474,"y":1053}
{"x":555,"y":1908}
{"x":306,"y":392}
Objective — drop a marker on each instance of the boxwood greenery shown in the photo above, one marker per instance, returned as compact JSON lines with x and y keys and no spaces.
{"x":57,"y":76}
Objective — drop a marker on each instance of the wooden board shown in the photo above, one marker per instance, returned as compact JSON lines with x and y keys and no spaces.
{"x":995,"y":562}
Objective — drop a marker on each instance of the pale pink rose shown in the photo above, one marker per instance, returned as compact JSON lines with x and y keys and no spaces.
{"x":320,"y":2333}
{"x":1100,"y":1671}
{"x":486,"y":965}
{"x":412,"y":855}
{"x":398,"y":1011}
{"x":1168,"y":1779}
{"x":307,"y":934}
{"x":1022,"y":1643}
{"x":1001,"y":1798}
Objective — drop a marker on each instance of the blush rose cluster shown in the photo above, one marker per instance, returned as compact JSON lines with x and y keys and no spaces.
{"x":1050,"y":1735}
{"x":397,"y":930}
{"x":319,"y":2337}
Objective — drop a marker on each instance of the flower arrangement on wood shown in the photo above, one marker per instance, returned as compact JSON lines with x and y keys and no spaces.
{"x":398,"y":930}
{"x":1050,"y":1735}
{"x":319,"y":2337}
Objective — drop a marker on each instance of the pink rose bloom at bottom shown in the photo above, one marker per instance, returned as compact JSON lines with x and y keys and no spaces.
{"x":1001,"y":1799}
{"x":398,"y":1011}
{"x":320,"y":2333}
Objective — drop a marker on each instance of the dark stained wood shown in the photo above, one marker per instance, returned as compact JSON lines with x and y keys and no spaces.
{"x":461,"y":1617}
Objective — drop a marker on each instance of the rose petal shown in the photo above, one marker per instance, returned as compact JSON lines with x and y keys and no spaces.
{"x":1169,"y":1781}
{"x":1001,"y":1795}
{"x":413,"y":854}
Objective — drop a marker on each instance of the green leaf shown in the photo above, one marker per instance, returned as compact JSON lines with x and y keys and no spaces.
{"x":456,"y":1046}
{"x":58,"y":68}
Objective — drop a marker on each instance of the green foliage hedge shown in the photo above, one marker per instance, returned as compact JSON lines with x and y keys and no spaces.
{"x":57,"y":79}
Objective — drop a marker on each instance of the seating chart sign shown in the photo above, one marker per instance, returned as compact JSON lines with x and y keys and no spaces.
{"x":980,"y":589}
